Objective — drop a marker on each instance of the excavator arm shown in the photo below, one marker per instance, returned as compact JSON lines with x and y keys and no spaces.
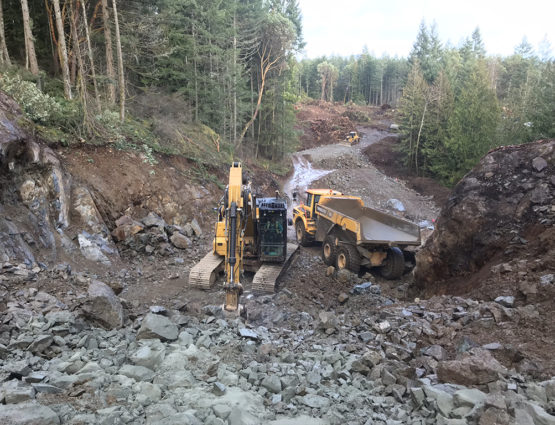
{"x":238,"y":209}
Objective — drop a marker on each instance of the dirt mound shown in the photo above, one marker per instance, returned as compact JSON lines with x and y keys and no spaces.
{"x":387,"y":157}
{"x":323,"y":123}
{"x":501,"y":211}
{"x":331,"y":130}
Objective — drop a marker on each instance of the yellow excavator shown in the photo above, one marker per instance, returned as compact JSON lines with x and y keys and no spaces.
{"x":251,"y":235}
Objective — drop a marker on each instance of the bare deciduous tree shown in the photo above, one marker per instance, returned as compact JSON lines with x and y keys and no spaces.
{"x":120,"y":65}
{"x":31,"y":57}
{"x":276,"y":38}
{"x":109,"y":53}
{"x":62,"y":49}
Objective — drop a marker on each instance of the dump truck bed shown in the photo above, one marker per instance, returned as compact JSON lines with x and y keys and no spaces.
{"x":369,"y":225}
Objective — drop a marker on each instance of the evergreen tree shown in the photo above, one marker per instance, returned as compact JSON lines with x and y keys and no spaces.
{"x":472,"y":127}
{"x":427,"y":51}
{"x":412,"y":110}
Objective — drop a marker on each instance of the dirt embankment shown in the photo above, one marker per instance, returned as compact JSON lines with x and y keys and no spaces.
{"x":387,"y":157}
{"x":324,"y":123}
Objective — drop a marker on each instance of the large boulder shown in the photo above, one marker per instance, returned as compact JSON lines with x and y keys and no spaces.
{"x":103,"y":306}
{"x":180,"y":241}
{"x":478,"y":367}
{"x":509,"y":193}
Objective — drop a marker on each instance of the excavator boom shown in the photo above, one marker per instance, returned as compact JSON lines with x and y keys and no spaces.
{"x":238,"y":210}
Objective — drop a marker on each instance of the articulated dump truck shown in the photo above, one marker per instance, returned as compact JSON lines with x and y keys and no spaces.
{"x":354,"y":236}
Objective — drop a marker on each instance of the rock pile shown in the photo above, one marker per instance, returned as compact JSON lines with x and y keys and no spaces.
{"x":171,"y":368}
{"x":152,"y":235}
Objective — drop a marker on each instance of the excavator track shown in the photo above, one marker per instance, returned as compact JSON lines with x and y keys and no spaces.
{"x":264,"y":281}
{"x":203,"y":275}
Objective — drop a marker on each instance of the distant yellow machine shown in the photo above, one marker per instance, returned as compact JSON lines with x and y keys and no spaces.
{"x":353,"y":236}
{"x":353,"y":138}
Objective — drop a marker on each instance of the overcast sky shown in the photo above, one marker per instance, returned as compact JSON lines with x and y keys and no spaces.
{"x":390,"y":26}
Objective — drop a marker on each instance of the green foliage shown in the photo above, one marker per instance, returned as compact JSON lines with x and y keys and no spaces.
{"x":412,"y":110}
{"x":362,"y":79}
{"x":427,"y":52}
{"x":474,"y":104}
{"x":38,"y":106}
{"x":472,"y":128}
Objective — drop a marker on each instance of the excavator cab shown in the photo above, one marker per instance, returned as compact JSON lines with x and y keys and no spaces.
{"x":272,"y":229}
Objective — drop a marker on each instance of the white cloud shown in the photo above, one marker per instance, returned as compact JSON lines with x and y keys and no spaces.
{"x":343,"y":28}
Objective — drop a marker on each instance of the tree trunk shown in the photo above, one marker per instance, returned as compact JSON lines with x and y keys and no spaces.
{"x":4,"y":55}
{"x":120,"y":65}
{"x":77,"y":54}
{"x":29,"y":41}
{"x":53,"y":41}
{"x":252,"y":103}
{"x":195,"y":71}
{"x":90,"y":54}
{"x":256,"y":109}
{"x":109,"y":53}
{"x":418,"y":138}
{"x":381,"y":90}
{"x":62,"y":49}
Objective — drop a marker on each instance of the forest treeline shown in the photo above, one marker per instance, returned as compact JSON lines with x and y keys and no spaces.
{"x":216,"y":79}
{"x":454,"y":103}
{"x":458,"y":103}
{"x":170,"y":64}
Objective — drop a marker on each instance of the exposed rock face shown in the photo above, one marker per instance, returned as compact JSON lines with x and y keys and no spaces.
{"x":508,"y":194}
{"x":37,"y":199}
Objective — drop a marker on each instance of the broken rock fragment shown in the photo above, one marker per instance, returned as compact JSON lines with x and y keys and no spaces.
{"x":155,"y":326}
{"x":477,"y":368}
{"x":103,"y":306}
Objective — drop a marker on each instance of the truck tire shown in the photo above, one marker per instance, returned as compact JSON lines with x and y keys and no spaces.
{"x":300,"y":232}
{"x":394,"y":264}
{"x":348,"y":258}
{"x":329,"y":251}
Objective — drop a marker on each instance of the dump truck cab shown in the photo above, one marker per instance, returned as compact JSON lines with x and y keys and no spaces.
{"x":304,"y":216}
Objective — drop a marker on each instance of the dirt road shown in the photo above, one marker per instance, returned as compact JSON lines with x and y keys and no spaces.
{"x":345,"y":168}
